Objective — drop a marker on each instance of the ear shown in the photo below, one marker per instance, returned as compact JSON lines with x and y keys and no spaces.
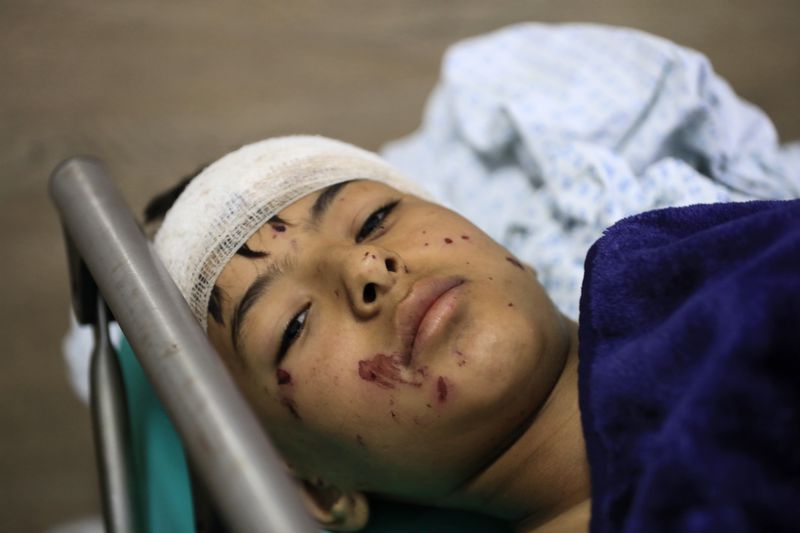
{"x":335,"y":509}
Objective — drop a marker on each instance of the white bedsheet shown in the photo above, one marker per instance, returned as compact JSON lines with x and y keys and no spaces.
{"x":546,"y":135}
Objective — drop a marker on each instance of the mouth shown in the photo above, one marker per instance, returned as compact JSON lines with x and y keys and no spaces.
{"x":424,"y":312}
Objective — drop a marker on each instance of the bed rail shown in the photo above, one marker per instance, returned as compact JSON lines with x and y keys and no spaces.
{"x":225,"y":443}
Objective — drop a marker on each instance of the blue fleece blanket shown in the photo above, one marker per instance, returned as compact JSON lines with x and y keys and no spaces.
{"x":690,"y":370}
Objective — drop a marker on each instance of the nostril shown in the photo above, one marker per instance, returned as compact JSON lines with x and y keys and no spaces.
{"x":391,"y":266}
{"x":369,"y":293}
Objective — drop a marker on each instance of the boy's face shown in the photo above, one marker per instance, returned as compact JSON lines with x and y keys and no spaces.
{"x":387,"y":344}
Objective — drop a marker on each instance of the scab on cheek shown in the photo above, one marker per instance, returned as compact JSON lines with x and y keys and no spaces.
{"x":285,"y":379}
{"x":384,"y":371}
{"x":283,"y":376}
{"x":291,"y":406}
{"x":441,"y":389}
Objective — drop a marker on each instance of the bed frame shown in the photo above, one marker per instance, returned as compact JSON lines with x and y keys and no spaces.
{"x":115,"y":273}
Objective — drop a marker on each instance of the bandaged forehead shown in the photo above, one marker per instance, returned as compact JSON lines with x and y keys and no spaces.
{"x":232,"y":198}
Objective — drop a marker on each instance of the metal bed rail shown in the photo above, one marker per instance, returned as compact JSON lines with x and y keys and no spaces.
{"x":225,"y":443}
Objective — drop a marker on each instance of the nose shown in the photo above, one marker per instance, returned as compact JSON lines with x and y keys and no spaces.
{"x":369,"y":273}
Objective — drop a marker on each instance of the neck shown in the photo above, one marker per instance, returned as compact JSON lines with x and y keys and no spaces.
{"x":544,"y":475}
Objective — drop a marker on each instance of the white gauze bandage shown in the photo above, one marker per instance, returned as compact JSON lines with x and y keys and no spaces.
{"x":232,"y":198}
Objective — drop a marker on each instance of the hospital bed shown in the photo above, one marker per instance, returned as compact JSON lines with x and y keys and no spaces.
{"x":677,"y":135}
{"x":114,"y":273}
{"x":231,"y":478}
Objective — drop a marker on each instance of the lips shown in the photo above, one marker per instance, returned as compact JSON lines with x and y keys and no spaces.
{"x":412,"y":321}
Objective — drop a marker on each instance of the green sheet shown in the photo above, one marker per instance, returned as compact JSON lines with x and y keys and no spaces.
{"x":163,"y":495}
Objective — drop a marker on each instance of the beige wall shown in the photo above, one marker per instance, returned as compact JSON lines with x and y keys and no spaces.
{"x":157,"y":89}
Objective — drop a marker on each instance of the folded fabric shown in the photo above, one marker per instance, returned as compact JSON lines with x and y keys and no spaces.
{"x":544,"y":135}
{"x":690,"y":370}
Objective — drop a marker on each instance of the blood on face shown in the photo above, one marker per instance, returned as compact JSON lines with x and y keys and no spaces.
{"x":385,"y":371}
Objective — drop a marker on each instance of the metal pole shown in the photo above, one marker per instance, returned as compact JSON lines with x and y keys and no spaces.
{"x":234,"y":458}
{"x":109,"y":423}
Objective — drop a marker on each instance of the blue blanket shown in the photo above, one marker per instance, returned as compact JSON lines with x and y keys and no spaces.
{"x":690,"y":370}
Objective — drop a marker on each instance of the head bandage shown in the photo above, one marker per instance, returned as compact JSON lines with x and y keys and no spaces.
{"x":232,"y":198}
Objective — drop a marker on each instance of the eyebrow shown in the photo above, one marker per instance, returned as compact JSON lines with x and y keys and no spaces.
{"x":324,"y":200}
{"x":251,"y":296}
{"x":277,"y":269}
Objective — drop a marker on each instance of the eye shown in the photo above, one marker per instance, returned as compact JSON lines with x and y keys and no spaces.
{"x":292,"y":331}
{"x":375,"y":219}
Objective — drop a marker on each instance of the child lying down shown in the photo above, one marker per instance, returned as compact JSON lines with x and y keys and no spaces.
{"x":392,"y":349}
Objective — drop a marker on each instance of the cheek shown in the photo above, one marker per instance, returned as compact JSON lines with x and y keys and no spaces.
{"x":492,"y":356}
{"x":504,"y":351}
{"x":324,"y":374}
{"x":364,"y":398}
